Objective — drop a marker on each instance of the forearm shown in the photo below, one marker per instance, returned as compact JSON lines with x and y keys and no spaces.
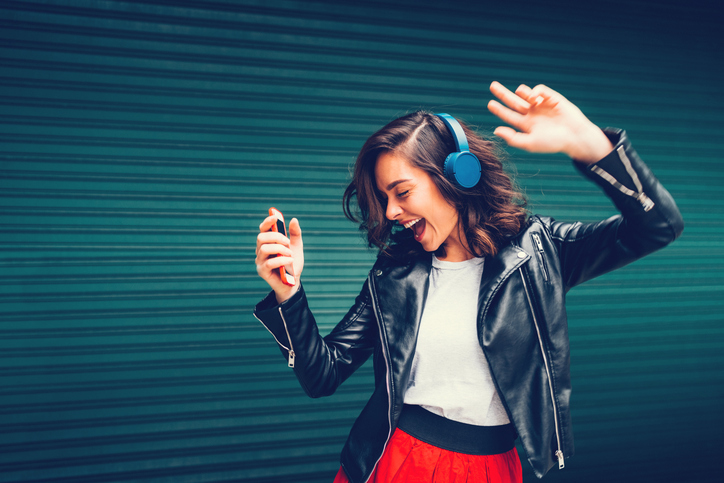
{"x":635,"y":191}
{"x":649,"y":218}
{"x":320,"y":364}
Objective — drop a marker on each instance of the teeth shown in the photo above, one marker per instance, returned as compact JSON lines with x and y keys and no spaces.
{"x":409,"y":224}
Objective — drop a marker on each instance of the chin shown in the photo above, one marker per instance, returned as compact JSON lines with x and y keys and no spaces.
{"x":430,"y":247}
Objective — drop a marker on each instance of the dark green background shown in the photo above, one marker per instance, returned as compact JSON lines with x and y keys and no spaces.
{"x":141,"y":143}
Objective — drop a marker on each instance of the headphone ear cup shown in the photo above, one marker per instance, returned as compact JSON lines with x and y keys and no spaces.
{"x":462,"y":169}
{"x":448,"y":167}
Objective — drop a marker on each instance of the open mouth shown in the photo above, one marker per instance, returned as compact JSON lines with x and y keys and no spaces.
{"x":417,"y":226}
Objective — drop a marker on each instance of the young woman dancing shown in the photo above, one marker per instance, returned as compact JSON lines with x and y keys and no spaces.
{"x":464,"y":310}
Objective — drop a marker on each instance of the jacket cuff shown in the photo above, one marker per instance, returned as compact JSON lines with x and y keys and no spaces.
{"x":612,"y":162}
{"x":620,"y":172}
{"x":269,"y":313}
{"x":631,"y":185}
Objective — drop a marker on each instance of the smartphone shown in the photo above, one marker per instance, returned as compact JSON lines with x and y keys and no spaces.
{"x":287,"y":279}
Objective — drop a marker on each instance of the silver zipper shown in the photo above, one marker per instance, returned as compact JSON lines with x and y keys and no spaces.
{"x":387,"y":376}
{"x":559,"y":452}
{"x":290,"y":361}
{"x":539,"y":250}
{"x":639,"y":194}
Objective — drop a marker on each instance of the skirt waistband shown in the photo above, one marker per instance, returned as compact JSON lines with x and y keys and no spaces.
{"x":456,"y":436}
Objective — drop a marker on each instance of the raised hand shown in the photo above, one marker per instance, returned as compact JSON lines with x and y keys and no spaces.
{"x":274,"y":250}
{"x":543,"y":121}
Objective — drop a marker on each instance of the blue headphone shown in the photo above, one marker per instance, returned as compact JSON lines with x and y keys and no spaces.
{"x":462,"y":167}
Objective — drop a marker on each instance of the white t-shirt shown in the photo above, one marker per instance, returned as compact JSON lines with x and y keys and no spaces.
{"x":450,"y":375}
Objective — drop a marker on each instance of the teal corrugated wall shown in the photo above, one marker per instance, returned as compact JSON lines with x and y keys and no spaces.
{"x":142,"y":141}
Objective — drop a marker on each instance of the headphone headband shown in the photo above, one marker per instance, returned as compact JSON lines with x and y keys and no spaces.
{"x":461,"y":142}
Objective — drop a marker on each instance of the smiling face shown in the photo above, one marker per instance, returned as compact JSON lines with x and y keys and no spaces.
{"x":414,"y":201}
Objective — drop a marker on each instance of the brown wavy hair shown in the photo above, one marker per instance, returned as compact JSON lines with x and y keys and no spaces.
{"x":490,"y":212}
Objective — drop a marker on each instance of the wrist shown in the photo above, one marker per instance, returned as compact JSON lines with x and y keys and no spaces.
{"x":591,"y":146}
{"x":285,"y":294}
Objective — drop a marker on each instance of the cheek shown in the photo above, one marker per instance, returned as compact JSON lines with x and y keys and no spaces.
{"x":445,"y":210}
{"x":451,"y":216}
{"x":446,"y":217}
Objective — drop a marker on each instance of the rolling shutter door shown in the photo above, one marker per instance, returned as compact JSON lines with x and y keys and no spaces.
{"x":142,"y":143}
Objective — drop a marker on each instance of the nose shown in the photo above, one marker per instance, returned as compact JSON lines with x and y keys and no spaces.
{"x":393,"y":210}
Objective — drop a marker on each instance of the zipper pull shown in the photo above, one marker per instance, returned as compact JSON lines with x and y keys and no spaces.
{"x":538,"y":243}
{"x":291,"y":359}
{"x":561,"y":463}
{"x":645,"y":201}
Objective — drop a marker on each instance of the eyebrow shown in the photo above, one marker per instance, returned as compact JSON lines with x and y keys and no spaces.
{"x":395,"y":183}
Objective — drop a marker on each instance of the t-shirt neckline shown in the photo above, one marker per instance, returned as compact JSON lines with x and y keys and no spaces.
{"x":446,"y":265}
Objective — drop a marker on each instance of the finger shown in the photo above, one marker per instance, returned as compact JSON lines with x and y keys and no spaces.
{"x":514,"y":138}
{"x":272,"y":250}
{"x":523,"y":91}
{"x":505,"y":133}
{"x":507,"y":115}
{"x":544,"y":92}
{"x":295,"y":233}
{"x":274,"y":263}
{"x":271,"y":237}
{"x":510,"y":99}
{"x":526,"y":93}
{"x":267,"y":224}
{"x":295,"y":229}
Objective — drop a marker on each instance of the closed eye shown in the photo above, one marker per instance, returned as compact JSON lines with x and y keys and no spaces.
{"x":403,"y":194}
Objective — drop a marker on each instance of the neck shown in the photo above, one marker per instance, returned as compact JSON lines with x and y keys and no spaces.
{"x":456,"y":248}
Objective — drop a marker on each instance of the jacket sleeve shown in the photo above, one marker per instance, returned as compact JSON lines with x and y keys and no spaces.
{"x":320,"y":363}
{"x":649,"y":218}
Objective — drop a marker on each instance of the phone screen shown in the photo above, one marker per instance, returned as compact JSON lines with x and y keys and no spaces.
{"x":280,"y":227}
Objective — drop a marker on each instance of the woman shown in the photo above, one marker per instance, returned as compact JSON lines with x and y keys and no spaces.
{"x":464,"y":308}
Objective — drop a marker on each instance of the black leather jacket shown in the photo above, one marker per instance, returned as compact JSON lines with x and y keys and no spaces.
{"x":522,"y":325}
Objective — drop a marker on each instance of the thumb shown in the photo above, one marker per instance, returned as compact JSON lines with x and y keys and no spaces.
{"x":295,"y":232}
{"x":514,"y":138}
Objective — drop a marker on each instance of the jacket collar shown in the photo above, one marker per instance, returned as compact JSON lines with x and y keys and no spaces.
{"x":402,"y":290}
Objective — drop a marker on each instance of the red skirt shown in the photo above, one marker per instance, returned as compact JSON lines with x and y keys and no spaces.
{"x":409,"y":460}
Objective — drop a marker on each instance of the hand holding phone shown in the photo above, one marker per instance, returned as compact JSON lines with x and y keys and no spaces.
{"x":287,"y":278}
{"x":280,"y":254}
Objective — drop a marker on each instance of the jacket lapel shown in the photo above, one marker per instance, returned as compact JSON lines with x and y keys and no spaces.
{"x":401,"y":293}
{"x":497,"y":270}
